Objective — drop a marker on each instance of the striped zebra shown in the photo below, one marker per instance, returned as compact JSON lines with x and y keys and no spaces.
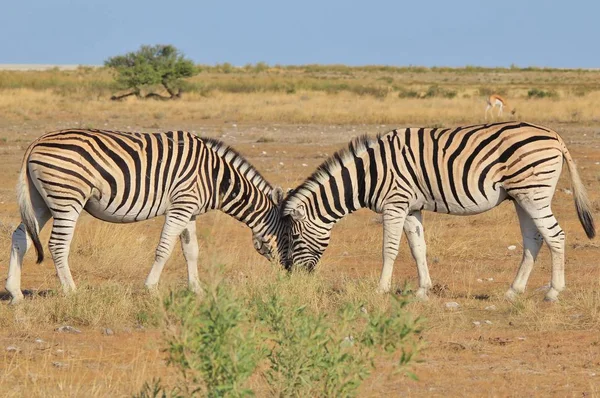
{"x":463,"y":171}
{"x":127,"y":177}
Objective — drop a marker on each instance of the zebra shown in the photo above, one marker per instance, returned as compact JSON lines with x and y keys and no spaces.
{"x":124,"y":177}
{"x":464,"y":170}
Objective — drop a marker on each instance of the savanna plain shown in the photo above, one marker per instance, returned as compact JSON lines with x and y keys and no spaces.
{"x":286,"y":121}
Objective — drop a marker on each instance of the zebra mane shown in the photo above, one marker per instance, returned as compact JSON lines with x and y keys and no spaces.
{"x":333,"y":164}
{"x":239,"y":162}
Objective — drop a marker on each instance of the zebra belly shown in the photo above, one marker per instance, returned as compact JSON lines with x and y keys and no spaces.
{"x":98,"y":209}
{"x":467,"y":207}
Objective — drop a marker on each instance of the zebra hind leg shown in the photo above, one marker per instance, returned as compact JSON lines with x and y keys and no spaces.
{"x":532,"y":242}
{"x":63,"y":227}
{"x":175,"y":224}
{"x":547,"y":225}
{"x":189,"y":245}
{"x":413,"y":228}
{"x":21,"y":243}
{"x":393,"y":221}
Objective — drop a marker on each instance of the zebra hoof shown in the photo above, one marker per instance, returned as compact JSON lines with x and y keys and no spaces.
{"x":421,"y":295}
{"x":152,"y":289}
{"x":511,"y":295}
{"x":382,"y":290}
{"x":17,"y":299}
{"x":551,"y":296}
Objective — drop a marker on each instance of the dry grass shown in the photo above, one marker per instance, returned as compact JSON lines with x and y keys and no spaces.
{"x":34,"y":106}
{"x":530,"y":346}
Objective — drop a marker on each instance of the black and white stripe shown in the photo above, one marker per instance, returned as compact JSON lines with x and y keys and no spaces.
{"x":126,"y":177}
{"x":463,"y":170}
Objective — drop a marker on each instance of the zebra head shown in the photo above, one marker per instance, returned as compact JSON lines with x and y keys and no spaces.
{"x":272,"y":240}
{"x":308,"y":238}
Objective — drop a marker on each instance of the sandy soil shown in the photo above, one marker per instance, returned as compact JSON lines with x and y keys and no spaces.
{"x":536,"y":349}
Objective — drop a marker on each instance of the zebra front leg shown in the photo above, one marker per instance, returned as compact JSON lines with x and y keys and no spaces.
{"x":413,"y":228}
{"x":175,"y":224}
{"x":532,"y":242}
{"x":189,"y":245}
{"x":393,"y":221}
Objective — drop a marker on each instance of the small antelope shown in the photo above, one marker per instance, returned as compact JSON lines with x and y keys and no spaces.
{"x":495,"y":100}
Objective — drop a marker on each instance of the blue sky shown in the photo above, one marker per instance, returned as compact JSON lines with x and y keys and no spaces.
{"x":427,"y":33}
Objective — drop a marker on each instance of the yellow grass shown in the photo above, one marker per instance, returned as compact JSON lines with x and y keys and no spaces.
{"x":299,"y":108}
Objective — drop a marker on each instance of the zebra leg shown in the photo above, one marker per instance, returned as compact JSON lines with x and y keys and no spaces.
{"x":61,"y":236}
{"x":554,"y":237}
{"x":21,"y":243}
{"x":189,"y":245}
{"x":175,"y":224}
{"x":532,"y":242}
{"x":413,"y":228}
{"x":393,"y":221}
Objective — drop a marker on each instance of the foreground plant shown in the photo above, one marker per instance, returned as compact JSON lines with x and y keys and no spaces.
{"x":218,"y":343}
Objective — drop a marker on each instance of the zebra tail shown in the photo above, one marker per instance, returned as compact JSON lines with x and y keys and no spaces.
{"x":582,"y":203}
{"x":25,"y":207}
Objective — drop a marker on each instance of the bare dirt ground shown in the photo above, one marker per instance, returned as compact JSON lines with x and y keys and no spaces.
{"x":525,"y":349}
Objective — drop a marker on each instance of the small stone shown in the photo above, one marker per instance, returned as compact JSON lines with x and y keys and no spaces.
{"x":490,"y":279}
{"x":107,"y":332}
{"x":264,"y":152}
{"x":348,"y":341}
{"x":39,"y":341}
{"x":452,"y":305}
{"x":567,"y":191}
{"x":511,"y":247}
{"x":345,"y":253}
{"x":67,"y":329}
{"x":60,"y":365}
{"x":477,"y":323}
{"x":487,"y":322}
{"x":13,"y":348}
{"x":479,"y":280}
{"x":490,"y":308}
{"x":304,"y":165}
{"x":521,"y":338}
{"x":234,"y":125}
{"x":363,"y":310}
{"x":281,"y":163}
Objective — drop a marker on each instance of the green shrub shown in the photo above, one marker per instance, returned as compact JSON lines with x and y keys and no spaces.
{"x":437,"y":91}
{"x":211,"y":342}
{"x":218,"y":342}
{"x":403,"y":93}
{"x":537,"y":93}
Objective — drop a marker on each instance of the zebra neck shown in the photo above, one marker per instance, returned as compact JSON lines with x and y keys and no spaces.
{"x":248,"y":205}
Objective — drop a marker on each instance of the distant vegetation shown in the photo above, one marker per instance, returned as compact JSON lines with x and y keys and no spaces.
{"x":150,"y":66}
{"x":153,"y":68}
{"x":336,"y":94}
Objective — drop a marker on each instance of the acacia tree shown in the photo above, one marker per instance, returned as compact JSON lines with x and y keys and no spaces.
{"x":151,"y":66}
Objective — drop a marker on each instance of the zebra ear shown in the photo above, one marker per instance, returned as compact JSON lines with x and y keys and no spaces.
{"x":298,"y":213}
{"x":277,"y":195}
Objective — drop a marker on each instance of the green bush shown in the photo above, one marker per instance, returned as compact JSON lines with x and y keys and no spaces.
{"x":211,"y":342}
{"x":437,"y":91}
{"x":151,"y":66}
{"x":537,"y":93}
{"x":403,"y":93}
{"x":218,"y":342}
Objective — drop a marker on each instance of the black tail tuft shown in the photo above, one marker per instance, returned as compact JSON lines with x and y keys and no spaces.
{"x":588,"y":222}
